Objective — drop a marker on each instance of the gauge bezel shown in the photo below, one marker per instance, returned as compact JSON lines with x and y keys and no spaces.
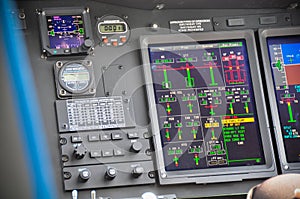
{"x":63,"y":91}
{"x":64,"y":83}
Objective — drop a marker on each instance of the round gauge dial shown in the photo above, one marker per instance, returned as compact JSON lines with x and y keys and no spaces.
{"x":75,"y":77}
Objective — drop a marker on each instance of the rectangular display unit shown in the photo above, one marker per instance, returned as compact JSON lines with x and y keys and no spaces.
{"x":65,"y":31}
{"x":207,"y":112}
{"x":281,"y":57}
{"x":93,"y":113}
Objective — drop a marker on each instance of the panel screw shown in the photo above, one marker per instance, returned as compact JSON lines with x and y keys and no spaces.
{"x":148,"y":152}
{"x":67,"y":175}
{"x":65,"y":158}
{"x":22,"y":15}
{"x":63,"y":141}
{"x":151,"y":174}
{"x":64,"y":126}
{"x":163,"y":175}
{"x":59,"y":64}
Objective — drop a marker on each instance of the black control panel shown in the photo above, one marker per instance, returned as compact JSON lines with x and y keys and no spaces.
{"x":107,"y":158}
{"x":138,"y":99}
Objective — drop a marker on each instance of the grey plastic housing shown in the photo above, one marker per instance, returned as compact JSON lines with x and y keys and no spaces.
{"x":211,"y":175}
{"x":285,"y":166}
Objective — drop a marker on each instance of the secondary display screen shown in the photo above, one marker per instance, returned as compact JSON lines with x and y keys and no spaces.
{"x":112,"y":28}
{"x":205,"y":105}
{"x":284,"y":55}
{"x":66,"y":31}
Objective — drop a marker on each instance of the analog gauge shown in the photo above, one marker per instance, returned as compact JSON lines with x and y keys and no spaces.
{"x":75,"y":77}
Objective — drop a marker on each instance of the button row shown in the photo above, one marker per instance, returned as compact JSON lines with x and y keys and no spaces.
{"x":106,"y":153}
{"x":104,"y":136}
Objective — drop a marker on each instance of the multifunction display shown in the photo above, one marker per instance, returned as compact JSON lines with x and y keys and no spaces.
{"x":284,"y":55}
{"x":205,"y":105}
{"x":65,"y":31}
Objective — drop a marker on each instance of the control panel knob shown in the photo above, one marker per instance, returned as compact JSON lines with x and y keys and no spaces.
{"x":137,"y":171}
{"x":85,"y":174}
{"x":111,"y":173}
{"x":88,"y":43}
{"x":79,"y":151}
{"x":136,"y":147}
{"x":149,"y":195}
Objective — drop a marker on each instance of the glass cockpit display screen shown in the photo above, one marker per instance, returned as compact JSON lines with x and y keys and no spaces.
{"x":284,"y":55}
{"x":205,"y":105}
{"x":65,"y":31}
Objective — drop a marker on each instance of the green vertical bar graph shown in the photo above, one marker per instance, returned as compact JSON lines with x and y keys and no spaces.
{"x":189,"y":80}
{"x":212,"y":76}
{"x":290,"y":112}
{"x":166,"y":83}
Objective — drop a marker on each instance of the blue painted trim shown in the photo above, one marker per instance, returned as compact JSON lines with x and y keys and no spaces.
{"x":27,"y":106}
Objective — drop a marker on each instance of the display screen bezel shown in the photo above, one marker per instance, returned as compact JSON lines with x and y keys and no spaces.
{"x":264,"y":34}
{"x":220,"y":174}
{"x":45,"y":42}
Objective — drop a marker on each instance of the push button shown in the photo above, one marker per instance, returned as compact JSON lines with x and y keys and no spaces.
{"x":116,"y":136}
{"x":123,"y":39}
{"x":107,"y":153}
{"x":118,"y":152}
{"x":236,"y":22}
{"x":93,"y":138}
{"x":105,"y":40}
{"x":76,"y":139}
{"x":105,"y":136}
{"x":133,"y":135}
{"x":95,"y":153}
{"x":115,"y":43}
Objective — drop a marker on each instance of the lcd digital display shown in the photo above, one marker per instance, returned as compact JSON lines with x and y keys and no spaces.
{"x":205,"y":105}
{"x":284,"y":56}
{"x":105,"y":28}
{"x":65,"y":31}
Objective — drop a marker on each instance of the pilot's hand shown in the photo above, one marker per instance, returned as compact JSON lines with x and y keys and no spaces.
{"x":297,"y":193}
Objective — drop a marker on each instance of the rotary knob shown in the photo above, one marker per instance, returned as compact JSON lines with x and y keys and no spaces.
{"x":111,"y":173}
{"x":136,"y":147}
{"x":88,"y":43}
{"x":79,"y":151}
{"x":85,"y":174}
{"x":137,"y":171}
